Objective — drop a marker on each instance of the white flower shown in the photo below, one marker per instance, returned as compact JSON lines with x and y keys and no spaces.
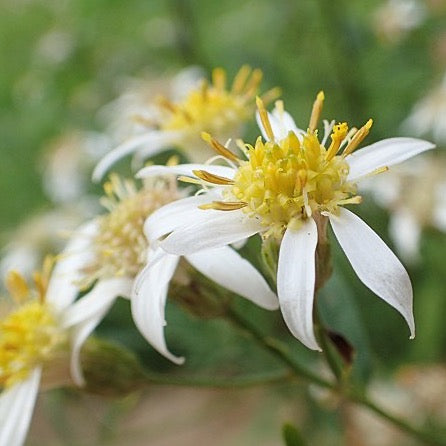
{"x":395,"y":18}
{"x":31,"y":335}
{"x":414,"y":194}
{"x":68,"y":162}
{"x":39,"y":235}
{"x":118,"y":251}
{"x":428,"y":115}
{"x":178,"y":123}
{"x":286,"y":185}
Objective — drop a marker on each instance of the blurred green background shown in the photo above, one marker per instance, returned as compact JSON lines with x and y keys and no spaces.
{"x":62,"y":60}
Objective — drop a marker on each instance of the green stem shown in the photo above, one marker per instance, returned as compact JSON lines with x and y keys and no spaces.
{"x":224,"y":383}
{"x":281,"y":352}
{"x":425,"y":437}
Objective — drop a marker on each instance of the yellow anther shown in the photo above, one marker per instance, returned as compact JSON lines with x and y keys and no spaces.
{"x":316,"y":112}
{"x":219,"y":78}
{"x":265,"y":119}
{"x":211,"y":178}
{"x":358,"y":138}
{"x":219,"y":148}
{"x":17,"y":286}
{"x":271,"y":95}
{"x":189,"y":180}
{"x":240,"y":79}
{"x":224,"y":205}
{"x":253,"y":82}
{"x":339,"y":133}
{"x":166,"y":104}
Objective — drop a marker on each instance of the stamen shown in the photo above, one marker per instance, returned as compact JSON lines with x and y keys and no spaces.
{"x":219,"y":78}
{"x":17,"y":286}
{"x":168,"y":105}
{"x":271,"y":95}
{"x":219,"y":148}
{"x":241,"y":78}
{"x":190,"y":180}
{"x":211,"y":178}
{"x":265,"y":119}
{"x":316,"y":112}
{"x":357,"y":199}
{"x":358,"y":138}
{"x":224,"y":205}
{"x":338,"y":135}
{"x":253,"y":83}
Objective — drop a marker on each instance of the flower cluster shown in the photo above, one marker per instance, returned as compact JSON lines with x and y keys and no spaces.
{"x":288,"y":186}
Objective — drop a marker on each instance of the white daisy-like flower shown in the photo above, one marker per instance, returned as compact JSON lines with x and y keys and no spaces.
{"x":210,"y":106}
{"x":428,"y":115}
{"x":118,"y":252}
{"x":414,"y":195}
{"x":394,"y":19}
{"x":32,"y":334}
{"x":40,"y":235}
{"x":286,"y":186}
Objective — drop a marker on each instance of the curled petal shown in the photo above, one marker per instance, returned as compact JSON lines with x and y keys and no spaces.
{"x":148,"y":302}
{"x":296,"y":276}
{"x":375,"y":264}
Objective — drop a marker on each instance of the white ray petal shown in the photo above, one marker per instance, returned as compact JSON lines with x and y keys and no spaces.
{"x":62,"y":289}
{"x":16,"y":409}
{"x":186,"y":170}
{"x":405,"y":232}
{"x":387,"y":152}
{"x":281,"y":124}
{"x":296,"y":275}
{"x":216,"y":229}
{"x":374,"y":263}
{"x":148,"y":303}
{"x":157,"y":140}
{"x":176,"y":214}
{"x":101,"y":296}
{"x":79,"y":335}
{"x":230,"y":270}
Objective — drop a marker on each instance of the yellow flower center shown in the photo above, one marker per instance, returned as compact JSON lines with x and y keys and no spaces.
{"x":285,"y":181}
{"x":120,"y":244}
{"x":30,"y":334}
{"x":214,"y":107}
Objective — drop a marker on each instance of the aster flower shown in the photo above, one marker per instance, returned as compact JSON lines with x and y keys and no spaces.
{"x":394,"y":19}
{"x":290,"y":185}
{"x":414,"y":195}
{"x":211,"y":107}
{"x":118,"y":251}
{"x":427,"y":115}
{"x":32,"y":335}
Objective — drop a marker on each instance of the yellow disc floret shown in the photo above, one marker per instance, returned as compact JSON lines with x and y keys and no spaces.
{"x":120,"y":245}
{"x":285,"y":181}
{"x":30,"y":334}
{"x":213,"y":107}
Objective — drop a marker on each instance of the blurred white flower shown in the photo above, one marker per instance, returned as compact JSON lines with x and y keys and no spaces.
{"x":428,"y":116}
{"x":393,"y":19}
{"x":32,"y":334}
{"x":67,"y":164}
{"x":177,"y":120}
{"x":415,"y":196}
{"x":54,"y":47}
{"x":288,"y":189}
{"x":42,"y":234}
